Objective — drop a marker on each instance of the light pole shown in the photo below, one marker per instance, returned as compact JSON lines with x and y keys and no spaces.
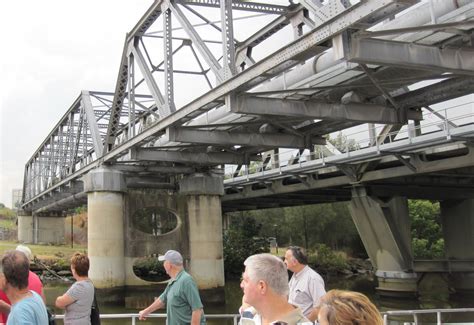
{"x":275,"y":226}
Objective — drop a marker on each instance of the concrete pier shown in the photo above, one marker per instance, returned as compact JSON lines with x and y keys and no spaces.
{"x":384,"y":227}
{"x":25,"y":228}
{"x":457,"y":218}
{"x":105,"y":208}
{"x":206,"y":260}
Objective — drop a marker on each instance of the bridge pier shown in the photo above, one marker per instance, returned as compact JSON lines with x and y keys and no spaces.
{"x":457,"y":218}
{"x":25,"y":227}
{"x":45,"y":229}
{"x":206,"y":260}
{"x":105,"y":208}
{"x":384,"y":227}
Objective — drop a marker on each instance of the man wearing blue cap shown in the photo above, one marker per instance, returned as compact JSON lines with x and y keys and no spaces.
{"x":181,"y":296}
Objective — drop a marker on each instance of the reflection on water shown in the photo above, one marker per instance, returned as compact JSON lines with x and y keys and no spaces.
{"x":131,"y":300}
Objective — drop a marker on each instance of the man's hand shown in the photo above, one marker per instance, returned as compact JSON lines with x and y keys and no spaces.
{"x":157,"y":304}
{"x":142,"y":314}
{"x":313,"y":316}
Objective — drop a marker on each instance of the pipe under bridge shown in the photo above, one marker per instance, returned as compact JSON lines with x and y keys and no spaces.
{"x":235,"y":105}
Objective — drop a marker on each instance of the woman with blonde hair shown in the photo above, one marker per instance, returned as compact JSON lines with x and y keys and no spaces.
{"x":340,"y":307}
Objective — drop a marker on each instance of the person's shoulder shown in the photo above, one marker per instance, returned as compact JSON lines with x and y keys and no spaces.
{"x":185,"y":276}
{"x":312,"y":272}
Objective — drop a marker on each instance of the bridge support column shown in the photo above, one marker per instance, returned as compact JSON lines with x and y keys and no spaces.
{"x":457,"y":218}
{"x":105,"y":209}
{"x":25,"y":227}
{"x":384,"y":227}
{"x":203,"y":193}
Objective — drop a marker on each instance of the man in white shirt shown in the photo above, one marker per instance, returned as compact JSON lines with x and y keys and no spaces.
{"x":306,"y":286}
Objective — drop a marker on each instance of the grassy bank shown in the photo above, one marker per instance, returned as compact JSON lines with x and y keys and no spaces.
{"x":46,"y":252}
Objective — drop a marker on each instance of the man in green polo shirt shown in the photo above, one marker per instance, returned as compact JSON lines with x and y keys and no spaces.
{"x":181,"y":296}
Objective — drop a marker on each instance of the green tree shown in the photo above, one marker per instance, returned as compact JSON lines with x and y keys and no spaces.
{"x":427,"y":237}
{"x":342,"y":143}
{"x":240,"y":241}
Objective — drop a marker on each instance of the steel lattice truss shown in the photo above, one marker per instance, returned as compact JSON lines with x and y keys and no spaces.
{"x":211,"y":83}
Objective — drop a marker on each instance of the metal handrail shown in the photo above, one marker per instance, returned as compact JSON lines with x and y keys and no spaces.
{"x":134,"y":316}
{"x":235,"y":317}
{"x":416,"y":313}
{"x":260,"y":168}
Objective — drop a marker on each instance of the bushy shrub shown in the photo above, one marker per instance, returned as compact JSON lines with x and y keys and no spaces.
{"x":325,"y":260}
{"x":149,"y":269}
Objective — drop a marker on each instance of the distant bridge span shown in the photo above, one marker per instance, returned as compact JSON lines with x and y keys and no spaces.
{"x":243,"y":102}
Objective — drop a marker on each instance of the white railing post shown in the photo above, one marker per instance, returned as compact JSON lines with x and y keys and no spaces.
{"x":446,"y":124}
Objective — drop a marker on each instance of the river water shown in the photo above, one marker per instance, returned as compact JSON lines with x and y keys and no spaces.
{"x":132,"y":300}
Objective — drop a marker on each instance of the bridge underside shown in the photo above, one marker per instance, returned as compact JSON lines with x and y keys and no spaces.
{"x":429,"y":176}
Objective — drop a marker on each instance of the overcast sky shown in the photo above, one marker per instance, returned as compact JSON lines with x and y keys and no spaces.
{"x":51,"y":50}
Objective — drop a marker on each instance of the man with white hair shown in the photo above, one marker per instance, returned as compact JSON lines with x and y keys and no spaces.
{"x":34,"y":284}
{"x":181,"y":296}
{"x":265,"y":286}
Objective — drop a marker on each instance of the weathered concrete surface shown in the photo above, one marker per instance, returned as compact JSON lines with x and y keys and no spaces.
{"x":106,"y":239}
{"x":204,"y":214}
{"x":457,"y":218}
{"x":205,"y":240}
{"x":384,"y":227}
{"x":144,"y":244}
{"x":25,"y":229}
{"x":105,"y":208}
{"x":44,"y":229}
{"x":50,"y":230}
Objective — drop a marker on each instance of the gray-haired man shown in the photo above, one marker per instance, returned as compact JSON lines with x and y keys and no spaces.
{"x":306,"y":285}
{"x":265,"y":286}
{"x":181,"y":296}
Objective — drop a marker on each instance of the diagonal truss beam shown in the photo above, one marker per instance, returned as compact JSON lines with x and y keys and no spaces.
{"x":150,"y":81}
{"x":243,"y":139}
{"x":358,"y":112}
{"x":92,"y":123}
{"x":197,"y":41}
{"x":122,"y":79}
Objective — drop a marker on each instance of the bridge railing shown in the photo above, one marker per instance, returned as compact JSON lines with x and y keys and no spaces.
{"x":389,"y":317}
{"x":134,"y":317}
{"x":414,"y":316}
{"x":437,"y":126}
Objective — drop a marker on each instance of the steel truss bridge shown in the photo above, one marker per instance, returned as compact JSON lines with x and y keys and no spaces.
{"x":260,"y":92}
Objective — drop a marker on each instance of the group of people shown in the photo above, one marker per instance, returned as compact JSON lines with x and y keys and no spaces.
{"x":268,"y":296}
{"x":21,"y":292}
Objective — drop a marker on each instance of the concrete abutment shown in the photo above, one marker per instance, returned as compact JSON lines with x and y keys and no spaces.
{"x":45,"y":229}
